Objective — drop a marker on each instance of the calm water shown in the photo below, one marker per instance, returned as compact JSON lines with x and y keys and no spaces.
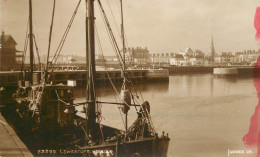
{"x":204,"y":115}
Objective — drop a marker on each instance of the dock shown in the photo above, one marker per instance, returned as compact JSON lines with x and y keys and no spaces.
{"x":243,"y":71}
{"x":10,"y":144}
{"x":249,"y":71}
{"x":8,"y":78}
{"x":225,"y":71}
{"x":189,"y":69}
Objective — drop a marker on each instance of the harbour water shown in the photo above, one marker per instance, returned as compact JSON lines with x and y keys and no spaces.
{"x":204,"y":115}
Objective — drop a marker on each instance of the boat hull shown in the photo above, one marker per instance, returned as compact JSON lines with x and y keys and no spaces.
{"x":147,"y":147}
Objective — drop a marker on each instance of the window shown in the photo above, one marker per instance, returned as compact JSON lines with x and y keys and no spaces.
{"x":19,"y":59}
{"x":19,"y":53}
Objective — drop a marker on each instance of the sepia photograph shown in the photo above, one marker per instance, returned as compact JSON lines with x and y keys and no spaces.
{"x":125,"y":78}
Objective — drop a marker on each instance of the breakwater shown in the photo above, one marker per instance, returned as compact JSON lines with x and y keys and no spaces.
{"x":242,"y":71}
{"x":11,"y":78}
{"x":189,"y":69}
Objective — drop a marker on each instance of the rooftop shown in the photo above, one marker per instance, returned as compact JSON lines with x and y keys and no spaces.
{"x":7,"y":38}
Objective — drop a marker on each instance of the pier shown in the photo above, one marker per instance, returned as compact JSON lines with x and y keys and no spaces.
{"x":11,"y":78}
{"x":246,"y":71}
{"x":243,"y":71}
{"x":11,"y":145}
{"x":189,"y":69}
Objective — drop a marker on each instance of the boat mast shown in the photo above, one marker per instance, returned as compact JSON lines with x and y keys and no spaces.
{"x":124,"y":87}
{"x":31,"y":40}
{"x":123,"y":37}
{"x":49,"y":44}
{"x":90,"y":54}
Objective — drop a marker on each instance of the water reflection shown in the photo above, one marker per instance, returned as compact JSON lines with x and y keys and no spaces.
{"x":107,"y":90}
{"x":203,"y":114}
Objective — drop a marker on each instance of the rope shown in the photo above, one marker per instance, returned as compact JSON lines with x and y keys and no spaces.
{"x":115,"y":90}
{"x":115,"y":46}
{"x":100,"y":111}
{"x":46,"y":77}
{"x":111,"y":35}
{"x":134,"y":86}
{"x":113,"y":43}
{"x":101,"y":51}
{"x":118,"y":8}
{"x":79,"y":104}
{"x":113,"y":17}
{"x":25,"y":46}
{"x":63,"y":39}
{"x":37,"y":50}
{"x":50,"y":35}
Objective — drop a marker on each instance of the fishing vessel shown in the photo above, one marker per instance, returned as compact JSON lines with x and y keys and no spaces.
{"x":43,"y":111}
{"x":51,"y":114}
{"x":140,"y":138}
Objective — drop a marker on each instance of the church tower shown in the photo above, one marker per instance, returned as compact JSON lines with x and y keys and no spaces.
{"x":213,"y":52}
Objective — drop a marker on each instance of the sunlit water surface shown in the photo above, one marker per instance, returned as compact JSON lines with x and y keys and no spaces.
{"x":204,"y":115}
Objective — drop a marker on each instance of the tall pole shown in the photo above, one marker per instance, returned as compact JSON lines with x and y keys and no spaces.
{"x":87,"y":61}
{"x":124,"y":51}
{"x":123,"y":34}
{"x":31,"y":40}
{"x":91,"y":109}
{"x":49,"y":45}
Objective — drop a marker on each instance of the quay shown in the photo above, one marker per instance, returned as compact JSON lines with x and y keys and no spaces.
{"x":189,"y":69}
{"x":243,"y":71}
{"x":10,"y":144}
{"x":225,"y":71}
{"x":246,"y":71}
{"x":10,"y":78}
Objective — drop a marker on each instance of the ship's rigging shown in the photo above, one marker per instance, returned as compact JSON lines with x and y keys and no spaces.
{"x":51,"y":106}
{"x":32,"y":42}
{"x":120,"y":54}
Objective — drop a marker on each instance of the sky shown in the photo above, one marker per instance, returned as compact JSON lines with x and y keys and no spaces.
{"x":160,"y":25}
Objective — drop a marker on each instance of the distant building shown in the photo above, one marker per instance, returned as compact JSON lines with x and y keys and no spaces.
{"x":67,"y":59}
{"x":213,"y":52}
{"x":247,"y":57}
{"x":180,"y":58}
{"x":192,"y":57}
{"x":224,"y":58}
{"x":177,"y":60}
{"x":10,"y":58}
{"x":161,"y":59}
{"x":112,"y":61}
{"x":139,"y":55}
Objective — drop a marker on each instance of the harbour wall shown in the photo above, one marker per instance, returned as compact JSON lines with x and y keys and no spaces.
{"x":243,"y":71}
{"x":239,"y":71}
{"x":189,"y":69}
{"x":12,"y":78}
{"x":225,"y":71}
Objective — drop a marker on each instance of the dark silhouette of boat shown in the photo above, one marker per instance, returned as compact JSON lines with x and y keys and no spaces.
{"x":50,"y":112}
